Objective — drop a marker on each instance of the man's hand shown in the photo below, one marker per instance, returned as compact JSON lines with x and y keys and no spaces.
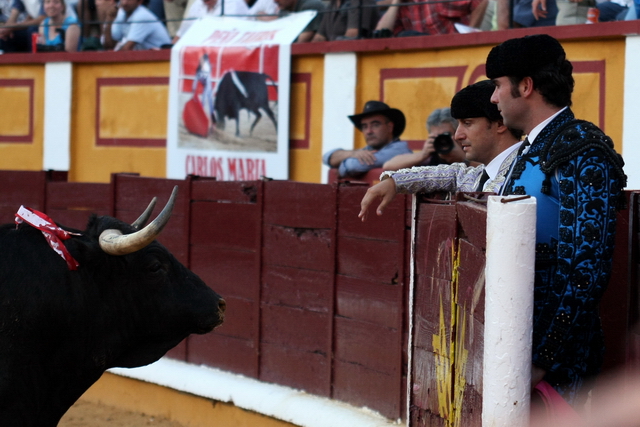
{"x":385,"y":190}
{"x":537,"y":374}
{"x":5,"y":33}
{"x":427,"y":148}
{"x":539,"y":9}
{"x":366,"y":157}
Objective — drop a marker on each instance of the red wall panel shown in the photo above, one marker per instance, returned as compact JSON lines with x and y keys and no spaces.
{"x":295,"y":368}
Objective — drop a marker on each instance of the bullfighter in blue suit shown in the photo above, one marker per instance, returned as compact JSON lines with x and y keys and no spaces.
{"x":571,"y":168}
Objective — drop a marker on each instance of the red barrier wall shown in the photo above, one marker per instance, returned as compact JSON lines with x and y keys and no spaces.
{"x":318,"y":300}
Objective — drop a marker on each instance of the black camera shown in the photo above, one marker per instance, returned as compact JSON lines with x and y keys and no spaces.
{"x":443,"y":143}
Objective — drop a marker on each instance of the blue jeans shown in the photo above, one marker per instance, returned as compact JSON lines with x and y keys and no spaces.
{"x":610,"y":11}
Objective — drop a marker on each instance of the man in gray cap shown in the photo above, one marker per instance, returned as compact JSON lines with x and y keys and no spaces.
{"x":381,"y":127}
{"x":484,"y":139}
{"x":571,"y":168}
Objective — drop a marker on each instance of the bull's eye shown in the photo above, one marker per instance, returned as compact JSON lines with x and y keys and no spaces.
{"x":156,"y":267}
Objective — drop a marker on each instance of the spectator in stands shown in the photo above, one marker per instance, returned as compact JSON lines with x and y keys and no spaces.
{"x":157,"y":8}
{"x":201,"y":8}
{"x":382,"y":127}
{"x":263,"y":9}
{"x":5,"y":10}
{"x":134,"y":27}
{"x":614,"y":10}
{"x":433,"y":17}
{"x":572,"y":12}
{"x":88,"y":13}
{"x":287,"y":6}
{"x":24,"y":19}
{"x":535,"y":13}
{"x":58,"y":29}
{"x":174,"y":12}
{"x":105,"y":11}
{"x":439,"y":148}
{"x":486,"y":139}
{"x":348,"y":20}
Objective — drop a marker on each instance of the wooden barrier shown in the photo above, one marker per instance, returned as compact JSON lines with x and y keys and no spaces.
{"x":318,"y":300}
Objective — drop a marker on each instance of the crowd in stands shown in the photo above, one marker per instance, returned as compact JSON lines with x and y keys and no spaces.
{"x":71,"y":25}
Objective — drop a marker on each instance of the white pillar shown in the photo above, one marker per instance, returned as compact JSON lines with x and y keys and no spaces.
{"x":631,"y":111}
{"x":57,"y":115}
{"x":509,"y":275}
{"x":339,"y":102}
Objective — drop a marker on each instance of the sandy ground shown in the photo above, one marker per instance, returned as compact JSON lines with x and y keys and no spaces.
{"x":87,"y":414}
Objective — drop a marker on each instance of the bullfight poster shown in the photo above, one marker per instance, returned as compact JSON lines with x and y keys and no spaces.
{"x":229,"y":98}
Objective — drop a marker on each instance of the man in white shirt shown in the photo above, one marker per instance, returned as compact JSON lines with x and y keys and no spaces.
{"x":484,"y":139}
{"x":134,"y":27}
{"x":202,"y":8}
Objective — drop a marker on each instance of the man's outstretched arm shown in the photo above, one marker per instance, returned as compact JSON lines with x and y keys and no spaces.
{"x":385,"y":190}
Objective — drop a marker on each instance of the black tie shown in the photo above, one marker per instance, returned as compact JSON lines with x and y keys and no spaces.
{"x":483,"y":179}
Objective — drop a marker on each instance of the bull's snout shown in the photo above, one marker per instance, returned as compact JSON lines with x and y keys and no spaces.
{"x":222,"y":306}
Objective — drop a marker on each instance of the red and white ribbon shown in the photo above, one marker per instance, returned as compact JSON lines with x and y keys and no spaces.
{"x":54,"y":234}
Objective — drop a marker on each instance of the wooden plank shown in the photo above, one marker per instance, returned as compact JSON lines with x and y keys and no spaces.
{"x":245,"y":192}
{"x":385,"y":227}
{"x":369,"y":345}
{"x":299,"y":205}
{"x":21,"y":188}
{"x":293,"y":367}
{"x":78,"y":196}
{"x":224,"y":352}
{"x":229,"y":225}
{"x":616,"y":301}
{"x":294,"y":287}
{"x":424,"y":418}
{"x":426,"y":383}
{"x":376,"y":260}
{"x":471,"y":267}
{"x":432,"y":311}
{"x":228,"y":272}
{"x":179,"y":352}
{"x":436,"y":231}
{"x":296,"y":328}
{"x":361,"y":386}
{"x":240,"y":319}
{"x":473,"y":222}
{"x":471,"y":412}
{"x":373,"y":302}
{"x":307,"y":248}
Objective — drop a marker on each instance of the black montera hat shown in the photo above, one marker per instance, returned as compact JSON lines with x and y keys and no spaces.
{"x":377,"y":107}
{"x":475,"y":101}
{"x":524,"y":56}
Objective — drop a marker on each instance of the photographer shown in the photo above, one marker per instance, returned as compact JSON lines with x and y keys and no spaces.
{"x":439,"y":148}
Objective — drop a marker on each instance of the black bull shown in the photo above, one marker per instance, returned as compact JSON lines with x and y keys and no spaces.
{"x":61,"y":329}
{"x":240,"y":90}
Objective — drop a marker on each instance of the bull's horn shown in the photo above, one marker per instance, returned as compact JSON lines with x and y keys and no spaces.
{"x":142,"y":219}
{"x":113,"y":242}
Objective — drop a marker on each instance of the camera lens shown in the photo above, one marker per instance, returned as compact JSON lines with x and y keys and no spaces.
{"x":443,"y":143}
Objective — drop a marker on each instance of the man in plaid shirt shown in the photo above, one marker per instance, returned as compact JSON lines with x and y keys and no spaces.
{"x":431,"y":16}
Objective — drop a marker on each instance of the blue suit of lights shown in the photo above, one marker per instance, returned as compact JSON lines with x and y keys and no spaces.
{"x":577,"y":179}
